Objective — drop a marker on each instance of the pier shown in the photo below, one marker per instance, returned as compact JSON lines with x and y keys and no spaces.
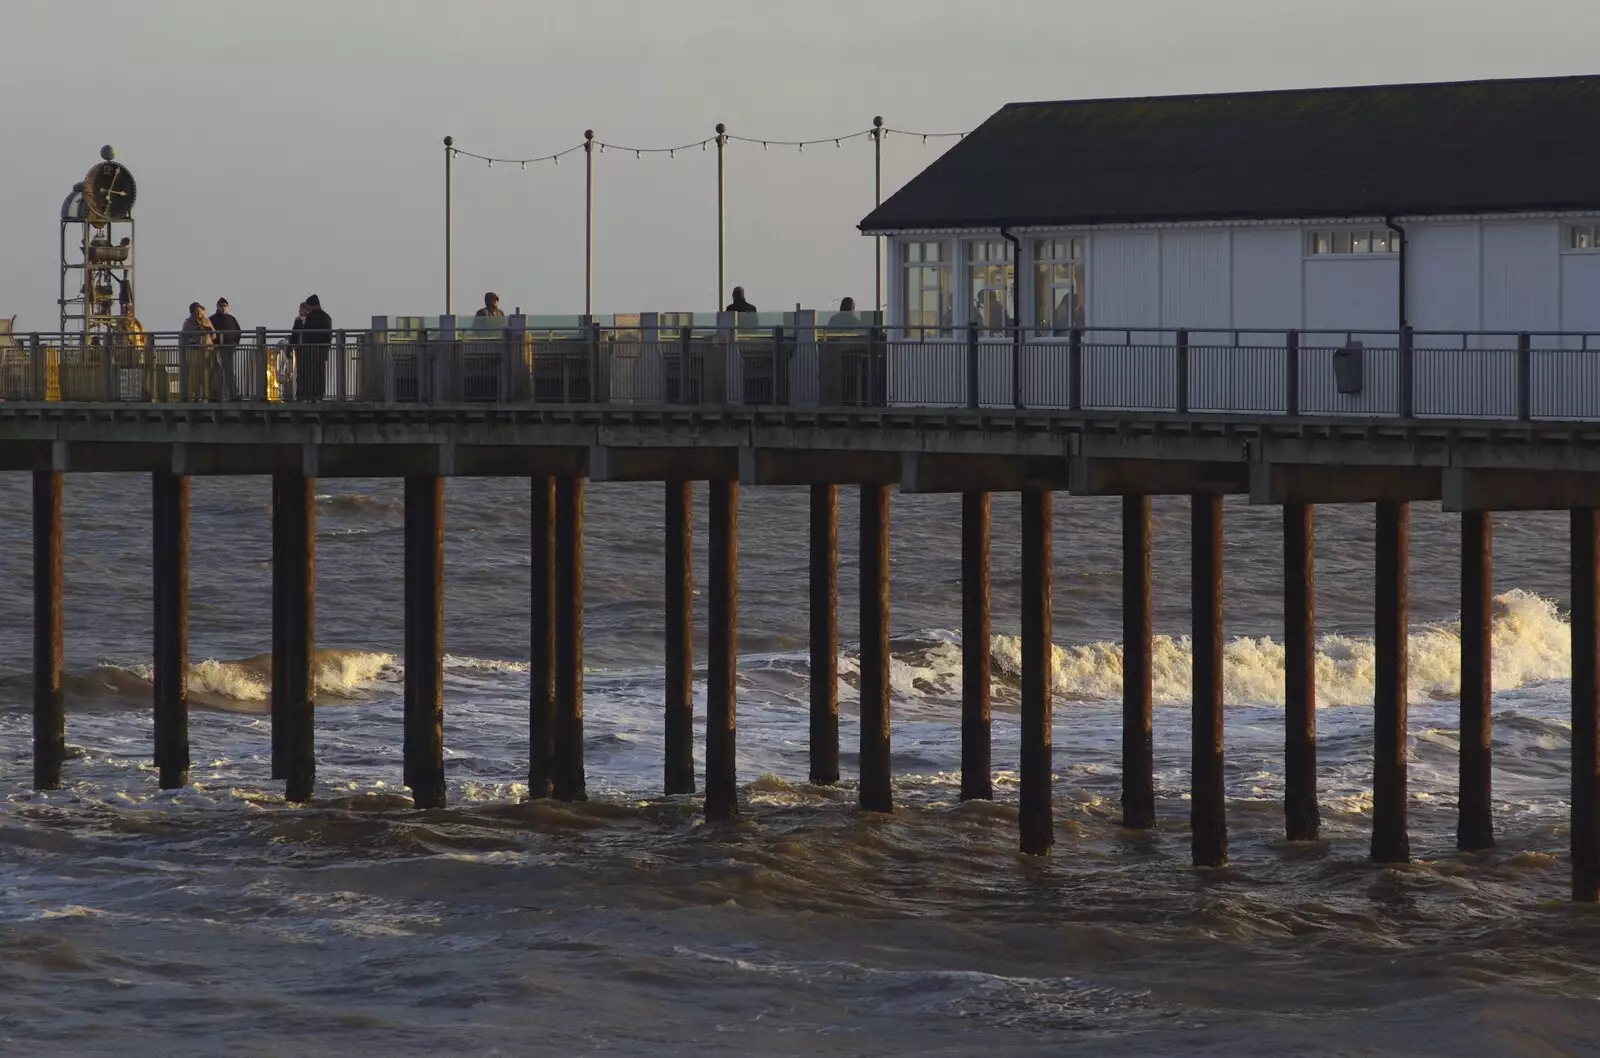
{"x":682,"y":410}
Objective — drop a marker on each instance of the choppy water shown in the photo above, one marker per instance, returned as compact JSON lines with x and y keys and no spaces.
{"x":215,"y":920}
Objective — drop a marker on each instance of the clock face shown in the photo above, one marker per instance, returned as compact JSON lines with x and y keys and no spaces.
{"x":109,"y":191}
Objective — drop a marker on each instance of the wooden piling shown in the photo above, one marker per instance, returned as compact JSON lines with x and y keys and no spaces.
{"x":875,"y":794}
{"x":298,"y":746}
{"x":824,"y":634}
{"x":1138,"y":671}
{"x":1208,"y":810}
{"x":679,"y":765}
{"x":424,"y":728}
{"x":541,"y":640}
{"x":170,"y":538}
{"x":1301,"y":815}
{"x":1038,"y":674}
{"x":1475,"y":825}
{"x":977,"y":783}
{"x":49,"y":706}
{"x":1585,"y":560}
{"x":1390,"y":840}
{"x":280,"y":607}
{"x":722,"y":653}
{"x":569,"y":781}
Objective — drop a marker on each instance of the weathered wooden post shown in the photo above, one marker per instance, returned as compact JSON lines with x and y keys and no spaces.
{"x":1208,"y":811}
{"x":170,"y":532}
{"x":570,"y":784}
{"x":680,"y":639}
{"x":298,"y":745}
{"x":1302,"y":818}
{"x":1038,"y":674}
{"x":722,"y":653}
{"x":876,"y":794}
{"x":1475,"y":826}
{"x":976,"y":780}
{"x":1390,"y":841}
{"x":1138,"y":672}
{"x":49,"y":707}
{"x":824,"y":634}
{"x":541,"y":640}
{"x":280,"y":616}
{"x":424,"y":729}
{"x":1585,"y":562}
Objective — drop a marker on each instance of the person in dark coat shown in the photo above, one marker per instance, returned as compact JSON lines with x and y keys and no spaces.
{"x":316,"y":335}
{"x":739,"y":304}
{"x":227,"y":344}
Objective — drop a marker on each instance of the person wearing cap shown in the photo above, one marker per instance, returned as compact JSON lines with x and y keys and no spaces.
{"x":194,"y":344}
{"x":227,"y":344}
{"x":316,"y":334}
{"x":491,"y":306}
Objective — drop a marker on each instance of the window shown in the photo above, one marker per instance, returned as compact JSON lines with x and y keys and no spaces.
{"x":1057,"y":285}
{"x":928,"y":291}
{"x":1361,"y":240}
{"x":1583,"y":238}
{"x":991,"y":281}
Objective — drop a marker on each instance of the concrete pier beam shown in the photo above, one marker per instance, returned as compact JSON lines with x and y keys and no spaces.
{"x":1208,"y":810}
{"x":876,"y":793}
{"x":977,"y":782}
{"x":1475,"y":825}
{"x":1391,"y":842}
{"x":49,"y":706}
{"x":1038,"y":675}
{"x":542,"y":639}
{"x":1138,"y":672}
{"x":569,"y":781}
{"x":722,"y":653}
{"x":1301,"y":816}
{"x":679,"y":705}
{"x":824,"y":634}
{"x":424,"y":729}
{"x":170,"y":532}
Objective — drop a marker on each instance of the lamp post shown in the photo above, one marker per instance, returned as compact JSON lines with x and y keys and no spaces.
{"x":722,"y":226}
{"x":588,"y":224}
{"x":449,"y":154}
{"x":877,"y":200}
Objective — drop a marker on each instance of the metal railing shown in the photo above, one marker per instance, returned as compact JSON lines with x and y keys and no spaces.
{"x":1375,"y":374}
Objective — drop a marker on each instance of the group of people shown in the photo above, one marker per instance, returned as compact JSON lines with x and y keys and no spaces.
{"x":844,"y":319}
{"x":211,"y":343}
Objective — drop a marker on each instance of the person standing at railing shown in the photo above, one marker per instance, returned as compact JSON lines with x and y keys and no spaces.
{"x":845,"y":319}
{"x":316,"y":334}
{"x":739,"y":304}
{"x":194,"y":350}
{"x":227,"y":345}
{"x":491,"y":306}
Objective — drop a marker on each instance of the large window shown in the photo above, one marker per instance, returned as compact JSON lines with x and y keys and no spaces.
{"x":991,"y":280}
{"x":1583,"y":238}
{"x":1057,"y":285}
{"x":1360,"y":240}
{"x":928,"y":290}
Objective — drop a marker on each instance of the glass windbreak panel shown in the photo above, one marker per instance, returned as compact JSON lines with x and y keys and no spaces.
{"x":555,"y":323}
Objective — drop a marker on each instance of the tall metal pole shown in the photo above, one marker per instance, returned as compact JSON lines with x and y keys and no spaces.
{"x":877,"y":200}
{"x":449,"y":210}
{"x":722,"y":217}
{"x":588,"y":224}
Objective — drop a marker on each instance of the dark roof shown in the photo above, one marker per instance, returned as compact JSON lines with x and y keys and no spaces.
{"x":1462,"y":147}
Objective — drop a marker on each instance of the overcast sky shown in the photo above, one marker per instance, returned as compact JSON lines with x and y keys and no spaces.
{"x":284,"y":147}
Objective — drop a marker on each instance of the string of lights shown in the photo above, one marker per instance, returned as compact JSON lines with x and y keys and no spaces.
{"x":703,"y":144}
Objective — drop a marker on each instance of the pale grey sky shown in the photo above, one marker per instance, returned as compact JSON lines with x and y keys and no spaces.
{"x":289,"y":146}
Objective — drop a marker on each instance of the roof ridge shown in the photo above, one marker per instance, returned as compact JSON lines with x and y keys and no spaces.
{"x":1306,"y":90}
